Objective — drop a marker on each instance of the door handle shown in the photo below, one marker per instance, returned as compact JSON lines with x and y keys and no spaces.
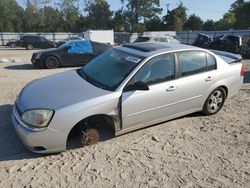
{"x":171,"y":88}
{"x":209,"y":78}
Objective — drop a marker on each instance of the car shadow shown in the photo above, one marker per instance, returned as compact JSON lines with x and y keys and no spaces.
{"x":247,"y":77}
{"x":11,"y":147}
{"x":12,"y":49}
{"x":20,"y":67}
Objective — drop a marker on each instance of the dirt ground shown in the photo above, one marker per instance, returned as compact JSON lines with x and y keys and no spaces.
{"x":192,"y":151}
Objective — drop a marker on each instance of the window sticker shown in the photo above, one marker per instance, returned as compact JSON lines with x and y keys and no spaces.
{"x":133,"y":59}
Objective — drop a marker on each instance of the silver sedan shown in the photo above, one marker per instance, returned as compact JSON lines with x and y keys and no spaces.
{"x":124,"y":89}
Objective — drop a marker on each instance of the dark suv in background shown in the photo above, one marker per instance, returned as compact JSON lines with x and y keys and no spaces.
{"x":33,"y":41}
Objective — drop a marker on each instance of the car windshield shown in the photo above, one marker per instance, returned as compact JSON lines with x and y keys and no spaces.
{"x":66,"y":44}
{"x":108,"y":70}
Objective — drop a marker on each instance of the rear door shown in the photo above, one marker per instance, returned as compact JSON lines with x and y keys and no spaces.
{"x":197,"y":73}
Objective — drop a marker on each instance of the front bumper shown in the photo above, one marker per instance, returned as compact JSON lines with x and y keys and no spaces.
{"x":45,"y":141}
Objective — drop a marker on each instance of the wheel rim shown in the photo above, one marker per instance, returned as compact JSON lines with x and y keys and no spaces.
{"x":216,"y":101}
{"x":30,"y":47}
{"x":90,"y":137}
{"x":52,"y":63}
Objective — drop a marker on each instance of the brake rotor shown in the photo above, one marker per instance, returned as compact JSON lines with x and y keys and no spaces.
{"x":90,"y":137}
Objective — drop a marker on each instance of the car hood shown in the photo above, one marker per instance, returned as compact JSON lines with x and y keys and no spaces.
{"x":47,"y":50}
{"x":57,"y":91}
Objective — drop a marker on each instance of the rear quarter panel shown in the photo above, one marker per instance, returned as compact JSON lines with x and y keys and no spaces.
{"x":227,"y":75}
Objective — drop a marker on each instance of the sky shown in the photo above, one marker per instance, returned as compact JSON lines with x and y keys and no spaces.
{"x":206,"y":9}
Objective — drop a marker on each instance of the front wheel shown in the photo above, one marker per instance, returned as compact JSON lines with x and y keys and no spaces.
{"x":214,"y":101}
{"x":51,"y":62}
{"x":90,"y":137}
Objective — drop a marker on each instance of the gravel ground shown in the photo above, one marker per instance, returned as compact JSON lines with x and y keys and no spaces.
{"x":192,"y":151}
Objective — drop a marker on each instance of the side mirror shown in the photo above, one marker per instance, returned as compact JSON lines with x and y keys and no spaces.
{"x":67,"y":48}
{"x":139,"y":85}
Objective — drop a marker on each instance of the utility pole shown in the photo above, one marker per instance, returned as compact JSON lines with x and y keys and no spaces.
{"x":167,"y":6}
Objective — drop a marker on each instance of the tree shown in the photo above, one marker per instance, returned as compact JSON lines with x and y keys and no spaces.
{"x":154,"y":24}
{"x":193,"y":23}
{"x":209,"y":25}
{"x":120,"y":23}
{"x":70,"y":13}
{"x":227,"y":22}
{"x":52,"y":19}
{"x":136,"y":11}
{"x":10,"y":16}
{"x":99,"y":14}
{"x":175,"y":19}
{"x":241,"y":10}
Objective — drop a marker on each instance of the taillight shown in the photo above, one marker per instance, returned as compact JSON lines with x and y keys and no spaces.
{"x":242,"y":70}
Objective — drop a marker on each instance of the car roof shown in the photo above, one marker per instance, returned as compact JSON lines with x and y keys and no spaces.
{"x":146,"y":49}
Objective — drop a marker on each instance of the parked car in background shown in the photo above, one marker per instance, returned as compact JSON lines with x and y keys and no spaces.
{"x":203,"y":40}
{"x":245,"y":50}
{"x":61,"y":42}
{"x":72,"y":53}
{"x":31,"y":42}
{"x":229,"y":43}
{"x":164,"y":39}
{"x":124,"y":89}
{"x":14,"y":42}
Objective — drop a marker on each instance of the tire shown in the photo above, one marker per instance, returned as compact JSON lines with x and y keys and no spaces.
{"x":51,"y":62}
{"x":215,"y":101}
{"x":90,"y":136}
{"x":29,"y":47}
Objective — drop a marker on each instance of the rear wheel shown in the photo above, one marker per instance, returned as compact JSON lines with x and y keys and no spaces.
{"x":29,"y":47}
{"x":51,"y":62}
{"x":214,"y":101}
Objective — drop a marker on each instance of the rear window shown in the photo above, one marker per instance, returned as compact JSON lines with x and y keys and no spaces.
{"x":142,"y":39}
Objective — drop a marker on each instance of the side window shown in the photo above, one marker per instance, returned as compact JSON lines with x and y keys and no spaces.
{"x":163,"y":40}
{"x":211,"y":63}
{"x":157,"y":70}
{"x":192,"y":62}
{"x":42,"y":39}
{"x":155,"y":39}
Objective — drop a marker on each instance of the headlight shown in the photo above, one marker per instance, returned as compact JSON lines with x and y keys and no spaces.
{"x":38,"y":55}
{"x":38,"y":118}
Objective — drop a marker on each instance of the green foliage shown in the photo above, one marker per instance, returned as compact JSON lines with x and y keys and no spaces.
{"x":136,"y":11}
{"x":175,"y":19}
{"x":154,"y":24}
{"x":99,"y":14}
{"x":10,"y":16}
{"x":120,"y":23}
{"x":193,"y":23}
{"x":209,"y":25}
{"x":227,"y":22}
{"x":133,"y":16}
{"x":241,"y":10}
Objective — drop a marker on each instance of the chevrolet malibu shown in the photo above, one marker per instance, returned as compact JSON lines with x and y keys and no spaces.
{"x":124,"y":89}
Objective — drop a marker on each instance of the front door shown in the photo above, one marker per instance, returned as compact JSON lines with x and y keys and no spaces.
{"x":142,"y":108}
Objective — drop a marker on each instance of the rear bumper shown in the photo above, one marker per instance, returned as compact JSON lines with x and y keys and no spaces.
{"x":45,"y":141}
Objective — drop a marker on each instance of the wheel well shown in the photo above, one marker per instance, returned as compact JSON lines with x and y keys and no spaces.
{"x":103,"y":123}
{"x":226,"y":89}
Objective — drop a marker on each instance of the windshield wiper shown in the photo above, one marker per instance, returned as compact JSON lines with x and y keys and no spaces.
{"x":93,"y":81}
